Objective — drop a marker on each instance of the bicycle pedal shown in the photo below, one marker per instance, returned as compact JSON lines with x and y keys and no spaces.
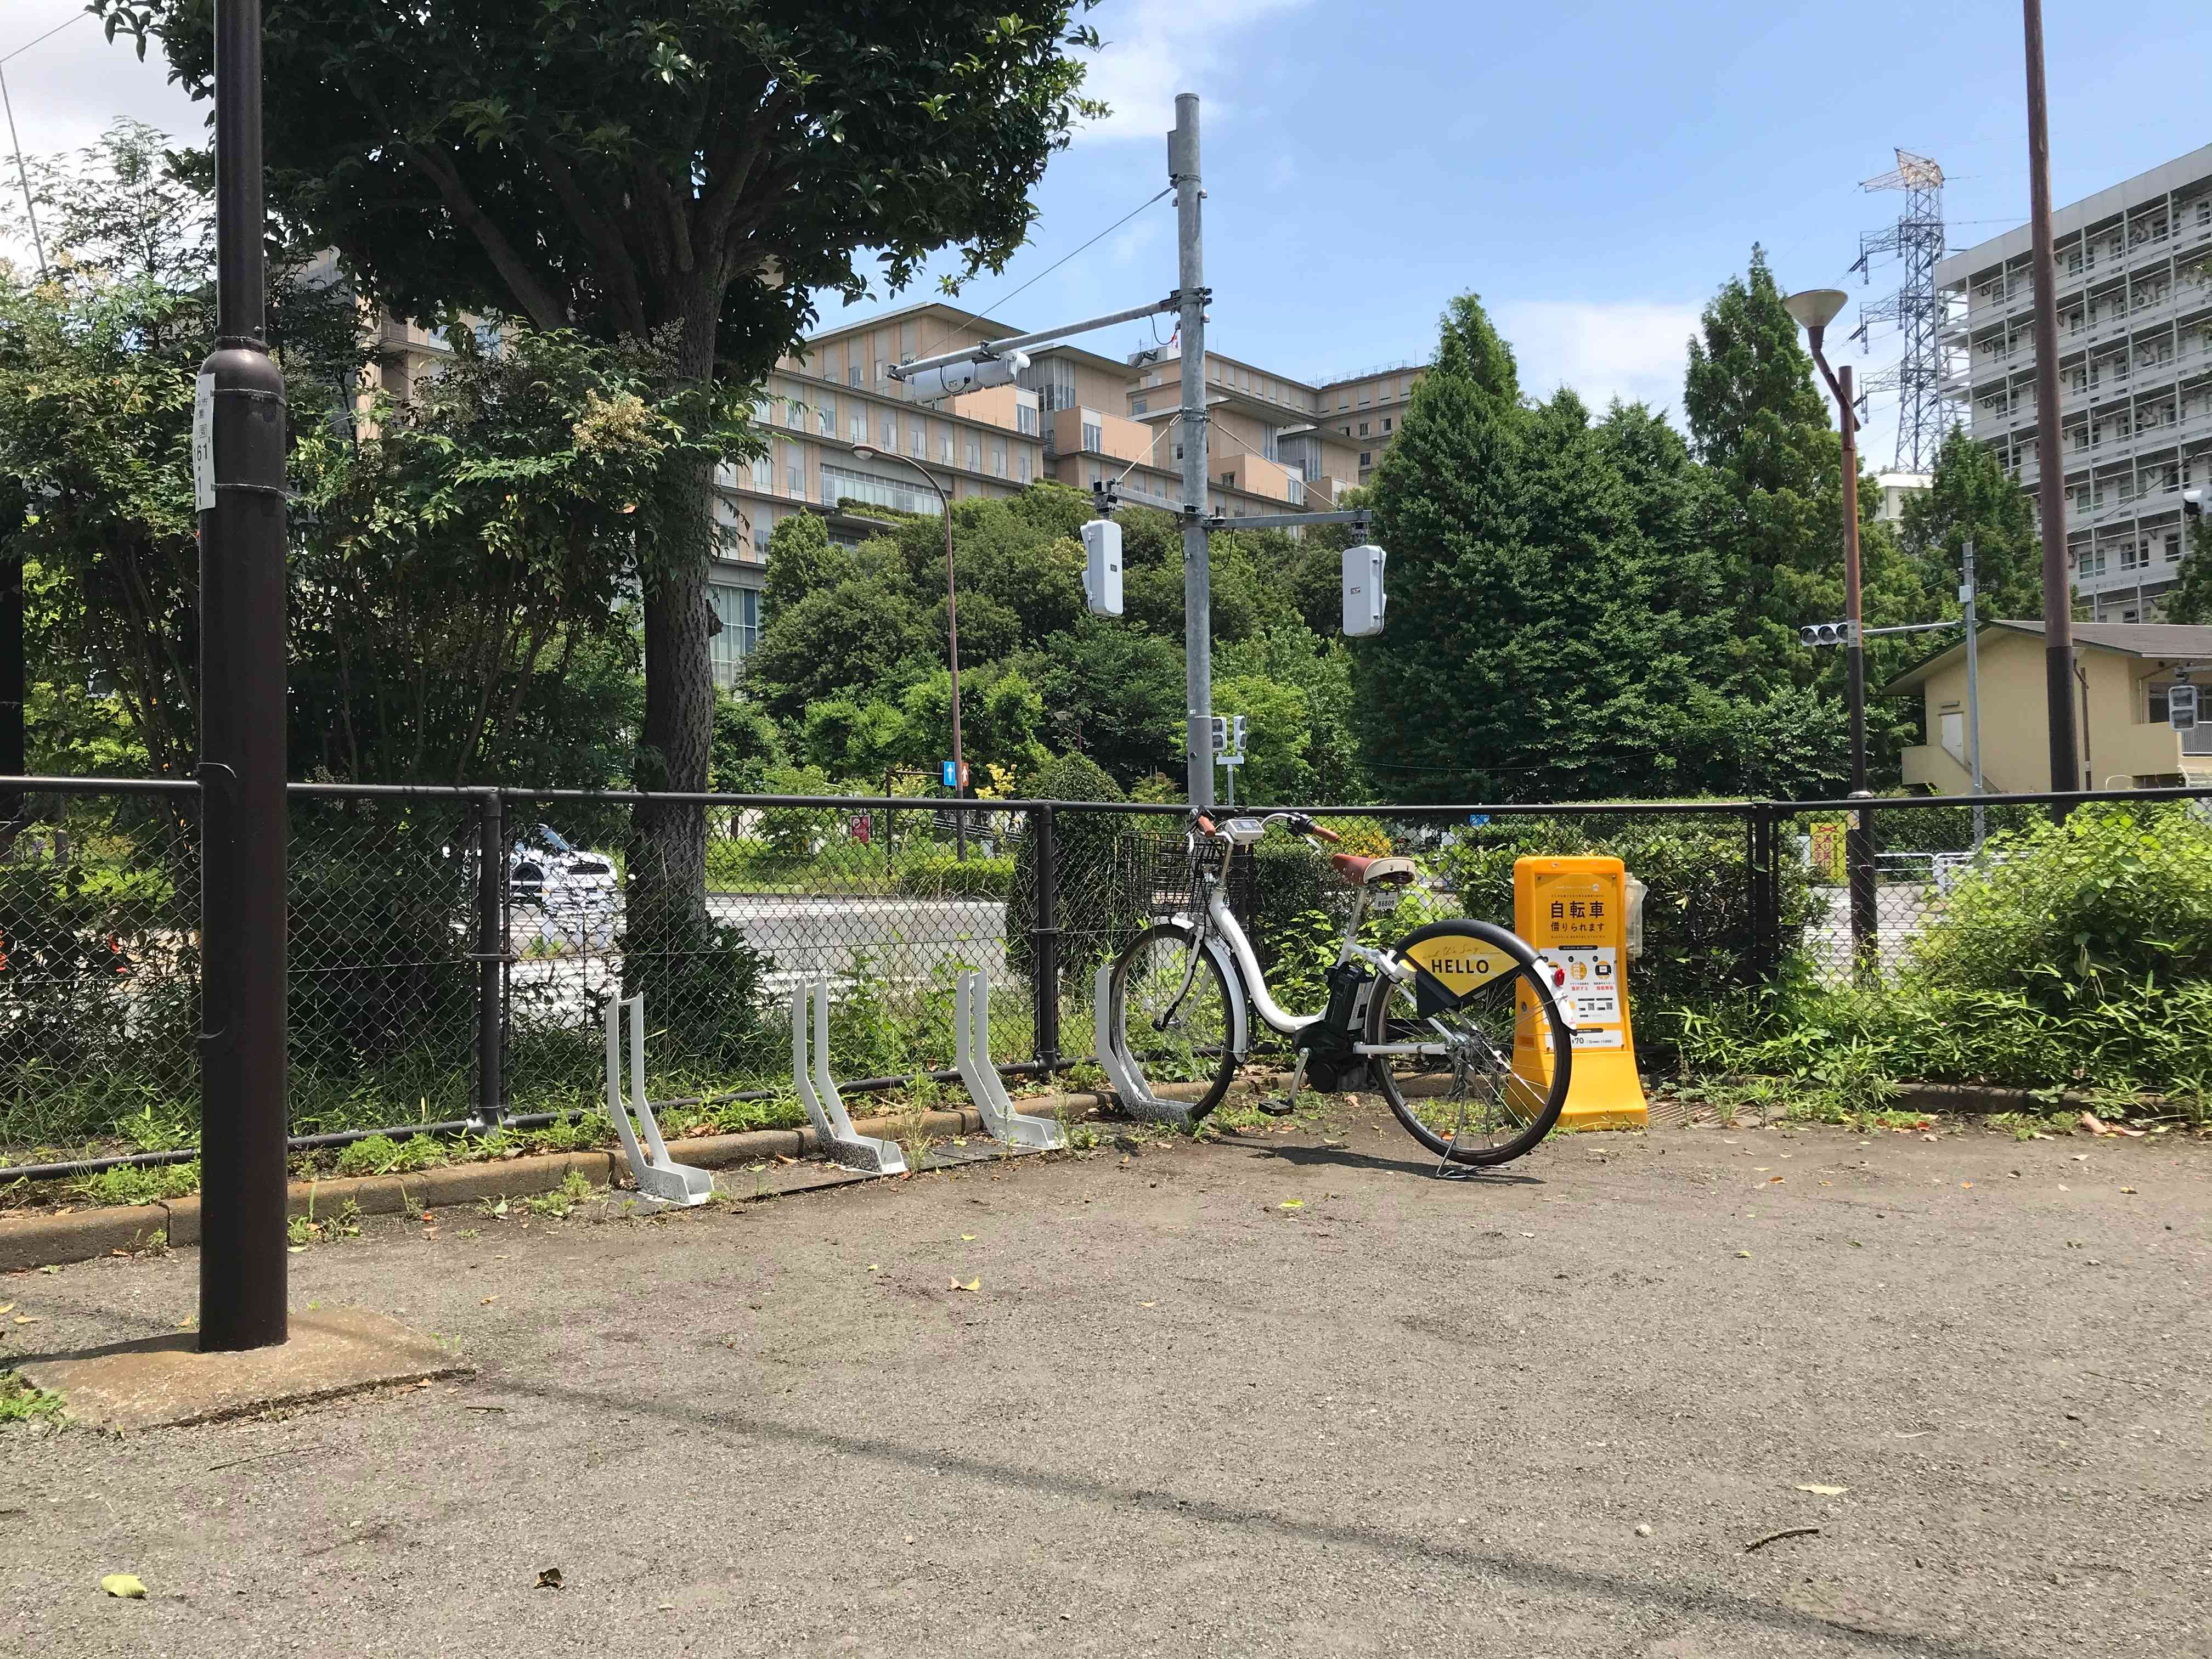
{"x":1275,"y":1108}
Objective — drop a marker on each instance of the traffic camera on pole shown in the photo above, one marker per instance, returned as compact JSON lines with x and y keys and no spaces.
{"x":977,"y":375}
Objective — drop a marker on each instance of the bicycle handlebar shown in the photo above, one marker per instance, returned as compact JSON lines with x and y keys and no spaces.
{"x":1297,"y":822}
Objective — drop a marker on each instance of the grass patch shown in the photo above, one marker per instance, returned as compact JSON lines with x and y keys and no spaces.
{"x":21,"y":1403}
{"x":135,"y":1183}
{"x":562,"y":1200}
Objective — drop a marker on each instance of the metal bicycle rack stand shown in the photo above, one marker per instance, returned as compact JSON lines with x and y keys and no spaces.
{"x":810,"y":1074}
{"x":1121,"y":1072}
{"x":659,"y":1177}
{"x":971,"y":1042}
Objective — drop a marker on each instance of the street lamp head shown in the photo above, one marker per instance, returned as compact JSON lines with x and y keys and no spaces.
{"x":864,"y":451}
{"x":1816,"y":307}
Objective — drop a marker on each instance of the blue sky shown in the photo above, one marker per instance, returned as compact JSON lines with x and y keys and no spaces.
{"x":1594,"y":169}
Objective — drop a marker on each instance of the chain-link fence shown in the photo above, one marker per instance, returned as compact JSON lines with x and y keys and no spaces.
{"x":454,"y":952}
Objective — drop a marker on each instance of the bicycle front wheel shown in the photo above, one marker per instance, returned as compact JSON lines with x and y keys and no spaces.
{"x":1171,"y":1011}
{"x":1482,"y":1049}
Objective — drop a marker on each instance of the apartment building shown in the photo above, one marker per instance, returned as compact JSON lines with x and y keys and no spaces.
{"x":2135,"y":367}
{"x":1076,"y":415}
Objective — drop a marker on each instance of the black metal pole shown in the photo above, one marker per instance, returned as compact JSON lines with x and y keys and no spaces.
{"x":2049,"y":452}
{"x":14,"y":761}
{"x":491,"y":959}
{"x":1044,"y":948}
{"x":238,"y":469}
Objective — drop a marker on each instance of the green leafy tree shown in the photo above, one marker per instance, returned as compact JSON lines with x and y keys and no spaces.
{"x":2189,"y":599}
{"x":1971,"y":495}
{"x":707,"y":167}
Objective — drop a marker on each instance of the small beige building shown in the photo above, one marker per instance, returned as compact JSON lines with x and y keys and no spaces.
{"x":2123,"y":672}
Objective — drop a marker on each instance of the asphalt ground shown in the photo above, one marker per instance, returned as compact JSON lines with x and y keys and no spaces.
{"x":1268,"y":1396}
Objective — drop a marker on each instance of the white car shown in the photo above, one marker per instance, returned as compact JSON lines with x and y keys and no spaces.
{"x":542,"y":867}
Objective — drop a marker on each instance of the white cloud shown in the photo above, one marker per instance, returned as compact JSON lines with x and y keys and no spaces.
{"x":1632,"y":350}
{"x":1154,"y":49}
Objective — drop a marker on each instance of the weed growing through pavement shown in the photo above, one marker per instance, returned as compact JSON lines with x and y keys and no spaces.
{"x":21,"y":1403}
{"x":563,"y":1198}
{"x":305,"y":1229}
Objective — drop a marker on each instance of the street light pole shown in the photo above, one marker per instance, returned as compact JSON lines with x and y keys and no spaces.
{"x":1815,"y":310}
{"x":238,"y":484}
{"x":868,"y":452}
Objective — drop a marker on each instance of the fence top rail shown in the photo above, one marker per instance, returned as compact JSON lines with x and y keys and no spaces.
{"x":32,"y":786}
{"x":2043,"y":798}
{"x":62,"y":786}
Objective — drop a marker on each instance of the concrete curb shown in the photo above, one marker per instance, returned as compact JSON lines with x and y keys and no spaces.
{"x":37,"y":1241}
{"x":40,"y":1241}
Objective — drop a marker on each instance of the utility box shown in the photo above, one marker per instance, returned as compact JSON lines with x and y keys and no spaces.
{"x":1363,"y":591}
{"x":1102,"y":566}
{"x":1575,"y":911}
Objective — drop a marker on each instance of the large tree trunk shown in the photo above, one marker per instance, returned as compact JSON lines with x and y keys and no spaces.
{"x":670,"y":938}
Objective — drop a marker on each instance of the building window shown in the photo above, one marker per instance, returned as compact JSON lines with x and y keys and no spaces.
{"x":841,"y":483}
{"x":918,"y":439}
{"x":1229,"y":478}
{"x":2174,"y":547}
{"x":1362,"y":428}
{"x":997,"y":458}
{"x":1137,"y":406}
{"x":944,"y":445}
{"x":1094,"y":436}
{"x":857,"y":426}
{"x":738,"y":610}
{"x":1366,"y":458}
{"x":974,"y":453}
{"x":1025,"y":467}
{"x":852,"y":375}
{"x":763,"y":472}
{"x":794,"y":478}
{"x":1025,"y":419}
{"x":890,"y":432}
{"x":794,"y":413}
{"x":826,"y":419}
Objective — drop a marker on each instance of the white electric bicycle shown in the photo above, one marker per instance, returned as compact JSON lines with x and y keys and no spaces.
{"x":1459,"y":1025}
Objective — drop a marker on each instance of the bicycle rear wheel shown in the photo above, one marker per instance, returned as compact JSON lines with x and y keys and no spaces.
{"x":1171,"y":1010}
{"x":1480,"y":1031}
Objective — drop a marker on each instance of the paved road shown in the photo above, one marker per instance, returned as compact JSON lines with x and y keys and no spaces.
{"x":1404,"y":1417}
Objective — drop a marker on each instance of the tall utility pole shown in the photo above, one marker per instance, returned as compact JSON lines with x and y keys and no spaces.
{"x":1814,"y":309}
{"x":238,"y":480}
{"x":1197,"y":585}
{"x":2050,"y":459}
{"x":1918,"y":308}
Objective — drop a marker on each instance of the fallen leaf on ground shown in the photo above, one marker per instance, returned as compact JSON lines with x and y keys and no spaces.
{"x":7,"y":1307}
{"x":488,"y":1300}
{"x":875,"y":1267}
{"x":123,"y":1584}
{"x":1825,"y":1492}
{"x":972,"y":1285}
{"x":29,"y":1319}
{"x":550,"y":1578}
{"x":1743,"y":1255}
{"x":2127,"y":1189}
{"x":967,"y":1238}
{"x":1148,"y":1304}
{"x":1293,"y":1204}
